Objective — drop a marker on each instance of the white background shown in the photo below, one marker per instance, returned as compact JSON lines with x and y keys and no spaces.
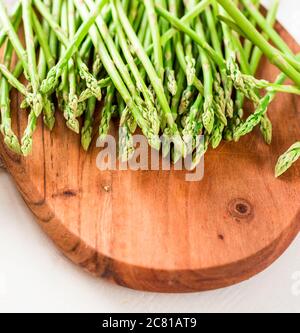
{"x":35,"y":277}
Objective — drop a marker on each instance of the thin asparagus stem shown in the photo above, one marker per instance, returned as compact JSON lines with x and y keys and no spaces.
{"x":15,"y":20}
{"x":8,"y":29}
{"x":93,"y":89}
{"x":106,"y":112}
{"x":272,"y":53}
{"x":153,"y":77}
{"x":49,"y":84}
{"x":116,"y":56}
{"x":170,"y":80}
{"x":176,"y":99}
{"x":272,"y":34}
{"x":68,"y":104}
{"x":208,"y":116}
{"x":151,"y":114}
{"x":72,"y":98}
{"x":187,"y":18}
{"x":228,"y":44}
{"x":287,"y":159}
{"x":154,"y":28}
{"x":248,"y":44}
{"x":189,"y":57}
{"x":49,"y":108}
{"x":10,"y":138}
{"x":56,"y":9}
{"x":271,"y":19}
{"x":118,"y":82}
{"x":42,"y":37}
{"x":87,"y":129}
{"x":37,"y":100}
{"x":12,"y":80}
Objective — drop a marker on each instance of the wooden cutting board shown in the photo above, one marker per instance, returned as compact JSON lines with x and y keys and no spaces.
{"x":152,"y":230}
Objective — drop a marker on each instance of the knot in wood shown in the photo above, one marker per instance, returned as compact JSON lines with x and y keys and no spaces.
{"x":241,"y":209}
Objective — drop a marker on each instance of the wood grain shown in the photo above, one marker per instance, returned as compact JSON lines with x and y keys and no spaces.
{"x":152,"y":230}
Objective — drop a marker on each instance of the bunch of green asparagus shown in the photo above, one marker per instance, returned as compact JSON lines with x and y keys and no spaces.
{"x":177,"y":68}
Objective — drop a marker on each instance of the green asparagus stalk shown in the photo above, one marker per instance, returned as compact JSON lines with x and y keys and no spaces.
{"x":287,"y":159}
{"x":93,"y":88}
{"x":151,"y":115}
{"x":43,"y":40}
{"x":193,"y":124}
{"x":49,"y":108}
{"x":37,"y":100}
{"x":272,"y":34}
{"x":180,"y":87}
{"x":170,"y":80}
{"x":73,"y":98}
{"x":49,"y":84}
{"x":208,"y":116}
{"x":116,"y":56}
{"x":118,"y":82}
{"x":87,"y":129}
{"x":69,"y":102}
{"x":15,"y":20}
{"x":187,"y":18}
{"x":10,"y":138}
{"x":53,"y":42}
{"x":255,"y":119}
{"x":12,"y":80}
{"x":106,"y":112}
{"x":8,"y":29}
{"x":154,"y":28}
{"x":256,"y":38}
{"x":153,"y":77}
{"x":248,"y":44}
{"x":271,"y":19}
{"x":189,"y":57}
{"x":126,"y":143}
{"x":191,"y":77}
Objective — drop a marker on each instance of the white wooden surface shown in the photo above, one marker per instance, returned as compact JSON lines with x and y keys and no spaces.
{"x":35,"y":277}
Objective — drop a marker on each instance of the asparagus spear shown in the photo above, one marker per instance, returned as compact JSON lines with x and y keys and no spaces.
{"x":118,"y":82}
{"x":187,"y":18}
{"x":93,"y":88}
{"x":248,"y":44}
{"x":87,"y":129}
{"x":117,"y":58}
{"x":155,"y":80}
{"x":170,"y":79}
{"x":72,"y":98}
{"x":189,"y":57}
{"x":151,"y":115}
{"x":10,"y":138}
{"x":86,"y":132}
{"x":15,"y":20}
{"x":208,"y":116}
{"x":53,"y":42}
{"x":8,"y":29}
{"x":272,"y":34}
{"x":191,"y":77}
{"x":42,"y":36}
{"x":45,"y":57}
{"x":52,"y":78}
{"x":257,"y":54}
{"x":37,"y":100}
{"x":154,"y":28}
{"x":272,"y":53}
{"x":287,"y":159}
{"x":106,"y":112}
